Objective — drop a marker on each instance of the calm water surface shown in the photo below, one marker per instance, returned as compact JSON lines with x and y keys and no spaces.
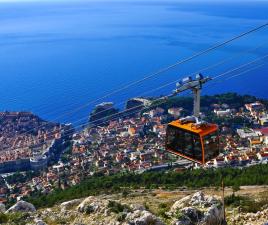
{"x":56,"y":56}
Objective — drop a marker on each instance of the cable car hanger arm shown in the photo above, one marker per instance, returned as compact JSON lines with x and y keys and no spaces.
{"x":195,"y":85}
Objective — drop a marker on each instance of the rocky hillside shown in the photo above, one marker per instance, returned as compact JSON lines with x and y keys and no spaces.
{"x":139,"y":207}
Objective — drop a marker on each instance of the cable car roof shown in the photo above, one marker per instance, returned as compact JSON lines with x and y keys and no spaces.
{"x":203,"y":130}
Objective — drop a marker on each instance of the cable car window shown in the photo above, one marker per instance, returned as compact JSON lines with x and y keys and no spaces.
{"x":197,"y":148}
{"x":173,"y":138}
{"x":184,"y":142}
{"x":211,"y":144}
{"x":188,"y":144}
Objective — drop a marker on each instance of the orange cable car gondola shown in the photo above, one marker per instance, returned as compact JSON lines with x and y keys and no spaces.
{"x":191,"y":137}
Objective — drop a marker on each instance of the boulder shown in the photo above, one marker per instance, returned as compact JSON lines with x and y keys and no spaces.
{"x":142,"y":217}
{"x":92,"y":205}
{"x":192,"y":213}
{"x":213,"y":216}
{"x":135,"y":207}
{"x":2,"y":207}
{"x":22,"y":206}
{"x":39,"y":222}
{"x":70,"y":204}
{"x":182,"y":203}
{"x":182,"y":221}
{"x":197,"y":209}
{"x":197,"y":199}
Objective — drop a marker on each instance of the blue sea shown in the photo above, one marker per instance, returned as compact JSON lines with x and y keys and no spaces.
{"x":58,"y":57}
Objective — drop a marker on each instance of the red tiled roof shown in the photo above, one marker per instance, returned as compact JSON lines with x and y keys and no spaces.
{"x":264,"y":130}
{"x":220,"y":159}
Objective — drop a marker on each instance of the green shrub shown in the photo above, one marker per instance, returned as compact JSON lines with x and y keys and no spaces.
{"x":17,"y":218}
{"x":116,"y":207}
{"x":246,"y":204}
{"x":179,"y":215}
{"x":163,"y":205}
{"x":162,"y":209}
{"x":146,"y":206}
{"x":125,"y":193}
{"x":3,"y":218}
{"x":162,"y":213}
{"x":121,"y":216}
{"x":234,"y":200}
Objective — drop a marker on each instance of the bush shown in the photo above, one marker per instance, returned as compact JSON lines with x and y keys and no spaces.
{"x":121,"y":216}
{"x":116,"y":207}
{"x":234,"y":200}
{"x":162,"y":209}
{"x":179,"y":215}
{"x":146,"y":206}
{"x":125,"y":193}
{"x":246,"y":204}
{"x":163,"y":205}
{"x":3,"y":218}
{"x":14,"y":218}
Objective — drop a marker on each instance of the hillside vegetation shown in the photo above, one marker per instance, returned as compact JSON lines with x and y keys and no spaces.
{"x":98,"y":184}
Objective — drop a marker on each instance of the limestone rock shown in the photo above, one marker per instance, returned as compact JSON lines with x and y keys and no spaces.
{"x":137,"y":207}
{"x":192,"y":213}
{"x":92,"y":205}
{"x":70,"y":204}
{"x":22,"y":206}
{"x":39,"y":222}
{"x":142,"y":217}
{"x":182,"y":221}
{"x":184,"y":202}
{"x":213,"y":216}
{"x":197,"y":199}
{"x":2,"y":207}
{"x":197,"y":209}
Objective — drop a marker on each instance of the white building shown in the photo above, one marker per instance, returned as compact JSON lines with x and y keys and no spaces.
{"x":176,"y":112}
{"x":219,"y":162}
{"x":264,"y":135}
{"x":255,"y":107}
{"x":226,"y":112}
{"x":247,"y":133}
{"x":156,"y":112}
{"x":263,"y":156}
{"x":264,"y":120}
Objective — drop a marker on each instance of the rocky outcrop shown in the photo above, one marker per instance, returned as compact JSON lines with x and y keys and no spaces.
{"x":118,"y":213}
{"x":70,"y":204}
{"x":2,"y":207}
{"x":197,"y":209}
{"x":22,"y":206}
{"x":214,"y":215}
{"x":259,"y":218}
{"x":142,"y":217}
{"x":93,"y":205}
{"x":137,"y":103}
{"x":102,"y":112}
{"x":39,"y":222}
